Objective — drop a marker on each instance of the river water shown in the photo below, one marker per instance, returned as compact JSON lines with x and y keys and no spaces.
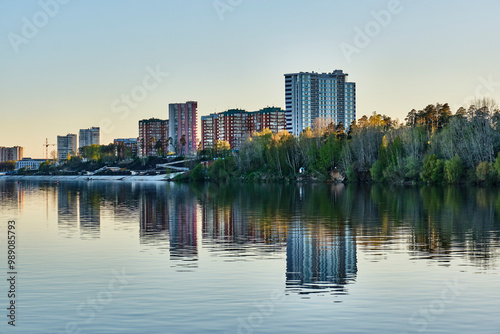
{"x":125,"y":257}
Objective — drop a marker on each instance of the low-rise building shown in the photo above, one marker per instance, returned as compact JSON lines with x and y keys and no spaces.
{"x":28,"y":163}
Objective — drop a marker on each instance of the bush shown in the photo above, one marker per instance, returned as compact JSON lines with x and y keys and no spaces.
{"x":433,"y":170}
{"x":394,"y":173}
{"x":181,"y":177}
{"x":496,"y":166}
{"x":222,"y":169}
{"x":412,"y":168}
{"x":352,"y":177}
{"x":453,"y":170}
{"x":197,"y":174}
{"x":484,"y":172}
{"x":377,"y":171}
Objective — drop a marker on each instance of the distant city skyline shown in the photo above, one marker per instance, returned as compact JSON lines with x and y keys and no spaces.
{"x":69,"y":65}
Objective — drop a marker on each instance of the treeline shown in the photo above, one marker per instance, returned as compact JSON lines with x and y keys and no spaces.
{"x":7,"y":166}
{"x":434,"y":145}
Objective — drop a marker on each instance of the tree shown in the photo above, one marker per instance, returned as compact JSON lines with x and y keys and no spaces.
{"x":473,"y":140}
{"x":483,"y":171}
{"x":197,"y":174}
{"x":159,"y":148}
{"x":411,"y":118}
{"x":53,"y":155}
{"x":496,"y":165}
{"x":433,"y":169}
{"x":453,"y":170}
{"x":7,"y":166}
{"x":92,"y":152}
{"x":221,"y":149}
{"x":182,"y":141}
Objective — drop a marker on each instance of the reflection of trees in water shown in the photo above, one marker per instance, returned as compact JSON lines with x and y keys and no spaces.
{"x":230,"y":229}
{"x":445,"y":220}
{"x":435,"y":221}
{"x":256,"y":219}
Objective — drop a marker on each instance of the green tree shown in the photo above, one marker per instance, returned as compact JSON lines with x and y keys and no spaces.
{"x":496,"y":165}
{"x":433,"y":169}
{"x":222,"y":169}
{"x":7,"y":166}
{"x":197,"y":174}
{"x":453,"y":170}
{"x":483,"y":171}
{"x":377,"y":171}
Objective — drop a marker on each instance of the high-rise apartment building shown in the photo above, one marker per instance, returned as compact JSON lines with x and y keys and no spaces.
{"x":183,"y":126}
{"x":89,"y":137}
{"x":236,"y":125}
{"x":209,"y":130}
{"x":326,"y":96}
{"x":66,"y":146}
{"x":271,"y":118}
{"x":15,"y":153}
{"x":153,"y":137}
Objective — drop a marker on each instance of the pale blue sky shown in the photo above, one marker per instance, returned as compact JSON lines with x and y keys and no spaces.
{"x":67,"y":75}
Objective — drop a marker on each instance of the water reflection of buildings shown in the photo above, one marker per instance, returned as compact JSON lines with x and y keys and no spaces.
{"x":226,"y":228}
{"x":170,"y":216}
{"x":13,"y":195}
{"x":183,"y":228}
{"x":67,"y":209}
{"x":320,"y":258}
{"x":90,"y":212}
{"x":78,"y":206}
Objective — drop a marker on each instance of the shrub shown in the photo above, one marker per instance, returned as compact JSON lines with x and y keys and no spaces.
{"x":433,"y":169}
{"x":483,"y":171}
{"x":352,"y":177}
{"x":197,"y":174}
{"x":222,"y":169}
{"x":412,"y":168}
{"x":394,"y":173}
{"x":496,"y":166}
{"x":453,"y":169}
{"x":377,"y":171}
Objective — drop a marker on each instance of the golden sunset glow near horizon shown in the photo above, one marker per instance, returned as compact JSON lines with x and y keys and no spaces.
{"x":73,"y":64}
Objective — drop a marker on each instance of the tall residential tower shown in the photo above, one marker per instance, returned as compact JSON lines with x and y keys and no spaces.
{"x":183,"y":126}
{"x":89,"y":137}
{"x":66,"y":146}
{"x":325,"y":96}
{"x":153,"y":137}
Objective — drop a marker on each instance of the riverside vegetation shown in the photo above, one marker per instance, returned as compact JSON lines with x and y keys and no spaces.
{"x":433,"y":146}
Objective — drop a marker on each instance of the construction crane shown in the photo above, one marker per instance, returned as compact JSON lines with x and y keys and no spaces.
{"x":47,"y":148}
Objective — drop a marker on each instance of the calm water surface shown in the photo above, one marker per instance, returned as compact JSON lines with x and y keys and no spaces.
{"x":111,"y":257}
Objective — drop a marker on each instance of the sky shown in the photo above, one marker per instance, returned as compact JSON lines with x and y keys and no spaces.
{"x":73,"y":64}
